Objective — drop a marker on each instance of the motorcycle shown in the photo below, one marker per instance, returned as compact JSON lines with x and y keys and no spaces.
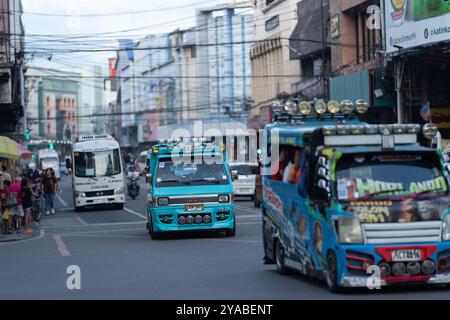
{"x":37,"y":201}
{"x":133,"y":187}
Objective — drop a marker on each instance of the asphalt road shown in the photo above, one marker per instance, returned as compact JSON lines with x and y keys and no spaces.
{"x":118,"y":260}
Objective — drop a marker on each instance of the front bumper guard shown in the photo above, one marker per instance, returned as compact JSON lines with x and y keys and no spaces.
{"x":362,"y":282}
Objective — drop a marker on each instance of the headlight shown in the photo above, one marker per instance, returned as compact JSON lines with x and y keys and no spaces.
{"x":80,"y":194}
{"x":224,"y":198}
{"x":119,"y":191}
{"x":349,"y":229}
{"x":163,"y":201}
{"x":446,"y":228}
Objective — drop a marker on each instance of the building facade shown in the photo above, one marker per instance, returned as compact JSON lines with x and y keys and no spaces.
{"x":12,"y":82}
{"x":273,"y":71}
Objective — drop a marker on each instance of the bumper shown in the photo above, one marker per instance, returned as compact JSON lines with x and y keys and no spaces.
{"x":353,"y":273}
{"x":114,"y":199}
{"x":362,"y":282}
{"x":174,"y":212}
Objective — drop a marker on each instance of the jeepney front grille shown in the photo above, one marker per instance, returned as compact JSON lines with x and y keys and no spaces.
{"x":192,"y":200}
{"x":408,"y":232}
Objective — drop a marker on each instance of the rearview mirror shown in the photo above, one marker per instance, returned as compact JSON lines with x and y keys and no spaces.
{"x":234,"y":175}
{"x":148,"y":178}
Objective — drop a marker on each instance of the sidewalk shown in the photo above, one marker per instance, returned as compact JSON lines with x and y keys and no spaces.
{"x":18,"y":237}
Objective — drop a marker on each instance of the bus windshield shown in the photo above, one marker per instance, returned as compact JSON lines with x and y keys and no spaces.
{"x":361,"y":177}
{"x":172,"y":173}
{"x":50,"y":162}
{"x":97,"y":163}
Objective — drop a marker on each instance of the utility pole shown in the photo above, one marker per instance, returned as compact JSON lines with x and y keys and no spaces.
{"x":324,"y":29}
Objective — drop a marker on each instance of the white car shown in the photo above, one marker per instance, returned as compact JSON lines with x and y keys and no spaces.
{"x":246,"y":182}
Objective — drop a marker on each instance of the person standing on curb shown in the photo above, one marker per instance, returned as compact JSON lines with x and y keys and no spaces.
{"x":6,"y":217}
{"x":14,"y":203}
{"x":26,"y":204}
{"x":49,"y":185}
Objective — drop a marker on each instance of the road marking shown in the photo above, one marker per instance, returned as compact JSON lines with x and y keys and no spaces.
{"x":110,"y":224}
{"x":135,"y":213}
{"x":231,"y":240}
{"x":61,"y":246}
{"x":84,"y":223}
{"x":61,"y":200}
{"x":247,"y":216}
{"x":256,"y":211}
{"x":104,"y":236}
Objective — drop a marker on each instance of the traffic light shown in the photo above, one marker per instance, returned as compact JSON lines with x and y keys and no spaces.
{"x":51,"y":146}
{"x":27,"y":135}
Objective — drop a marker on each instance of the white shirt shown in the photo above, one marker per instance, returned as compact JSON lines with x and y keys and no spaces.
{"x":286,"y":172}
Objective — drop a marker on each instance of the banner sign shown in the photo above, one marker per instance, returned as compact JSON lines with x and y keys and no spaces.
{"x":412,"y":23}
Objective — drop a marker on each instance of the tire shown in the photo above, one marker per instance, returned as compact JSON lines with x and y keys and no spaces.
{"x":257,"y":203}
{"x":332,"y":273}
{"x":36,"y":215}
{"x":231,"y":232}
{"x":279,"y":258}
{"x":79,"y":209}
{"x":153,"y":235}
{"x":119,"y":206}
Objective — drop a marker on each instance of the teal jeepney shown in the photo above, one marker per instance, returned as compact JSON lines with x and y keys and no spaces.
{"x":367,"y":206}
{"x":189,"y":188}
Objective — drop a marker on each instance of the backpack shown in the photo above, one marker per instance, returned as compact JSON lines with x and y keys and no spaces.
{"x":11,"y":201}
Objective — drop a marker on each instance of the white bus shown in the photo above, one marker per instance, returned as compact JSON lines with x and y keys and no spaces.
{"x":49,"y":159}
{"x":98,"y":177}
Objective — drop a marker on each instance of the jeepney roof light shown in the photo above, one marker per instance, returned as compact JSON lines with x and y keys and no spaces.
{"x":304,"y":108}
{"x":357,"y":129}
{"x":343,"y":130}
{"x":333,"y":106}
{"x":329,"y":130}
{"x":320,"y":107}
{"x":372,"y":129}
{"x":399,"y":128}
{"x":347,"y":107}
{"x":430,"y":130}
{"x":155,"y":149}
{"x":290,"y":107}
{"x":277,"y":107}
{"x":361,"y":106}
{"x":413,"y":128}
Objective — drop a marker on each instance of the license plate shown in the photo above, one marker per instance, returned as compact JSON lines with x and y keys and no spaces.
{"x":407,"y":255}
{"x":99,"y":201}
{"x":194,"y":207}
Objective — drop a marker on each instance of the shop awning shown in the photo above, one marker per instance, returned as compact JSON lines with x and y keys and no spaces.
{"x":8,"y":149}
{"x":24,"y":152}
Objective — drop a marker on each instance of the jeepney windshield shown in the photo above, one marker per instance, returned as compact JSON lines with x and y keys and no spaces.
{"x":360,"y":177}
{"x":182,"y":172}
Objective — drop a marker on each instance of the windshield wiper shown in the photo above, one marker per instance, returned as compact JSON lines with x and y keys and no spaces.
{"x":204,"y":180}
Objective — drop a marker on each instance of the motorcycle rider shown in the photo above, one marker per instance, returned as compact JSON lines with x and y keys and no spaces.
{"x":130,"y":175}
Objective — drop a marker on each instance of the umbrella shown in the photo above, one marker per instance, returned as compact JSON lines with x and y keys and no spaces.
{"x":8,"y":149}
{"x":24,"y":152}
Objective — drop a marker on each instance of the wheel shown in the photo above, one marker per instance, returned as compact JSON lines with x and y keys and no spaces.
{"x":231,"y":232}
{"x":257,"y":203}
{"x":332,"y":273}
{"x":154,"y":235}
{"x":79,"y":209}
{"x":252,"y":198}
{"x":280,"y":257}
{"x":36,"y":215}
{"x":119,"y":206}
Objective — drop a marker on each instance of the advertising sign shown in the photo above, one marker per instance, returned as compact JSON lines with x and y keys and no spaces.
{"x":412,"y":23}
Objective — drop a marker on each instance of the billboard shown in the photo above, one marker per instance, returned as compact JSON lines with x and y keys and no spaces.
{"x":412,"y":23}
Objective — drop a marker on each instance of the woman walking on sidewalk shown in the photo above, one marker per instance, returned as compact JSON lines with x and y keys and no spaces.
{"x":49,"y":186}
{"x":26,"y":204}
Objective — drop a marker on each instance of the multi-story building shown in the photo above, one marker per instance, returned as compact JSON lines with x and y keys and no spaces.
{"x":357,"y":57}
{"x":91,"y":99}
{"x":52,"y":104}
{"x":224,"y":36}
{"x":310,"y":43}
{"x":12,"y":87}
{"x":273,"y":71}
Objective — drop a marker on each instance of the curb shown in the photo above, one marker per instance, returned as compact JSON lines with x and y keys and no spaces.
{"x":16,"y":238}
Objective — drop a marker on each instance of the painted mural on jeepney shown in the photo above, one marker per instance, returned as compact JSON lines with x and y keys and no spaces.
{"x":299,"y":224}
{"x":403,"y":210}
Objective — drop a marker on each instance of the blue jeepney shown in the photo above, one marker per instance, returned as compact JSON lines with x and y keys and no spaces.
{"x":189,"y":188}
{"x":368,"y":206}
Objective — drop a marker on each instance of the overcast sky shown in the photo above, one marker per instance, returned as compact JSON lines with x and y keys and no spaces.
{"x":164,"y":16}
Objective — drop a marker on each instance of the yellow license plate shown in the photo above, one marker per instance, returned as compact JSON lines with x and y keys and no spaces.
{"x":194,"y":207}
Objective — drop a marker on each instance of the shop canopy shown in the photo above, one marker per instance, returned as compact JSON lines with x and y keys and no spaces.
{"x":24,"y":152}
{"x":8,"y":149}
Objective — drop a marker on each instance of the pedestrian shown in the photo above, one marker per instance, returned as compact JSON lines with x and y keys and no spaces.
{"x":6,"y":217}
{"x":14,"y":203}
{"x":49,"y":185}
{"x":3,"y":177}
{"x":27,"y":204}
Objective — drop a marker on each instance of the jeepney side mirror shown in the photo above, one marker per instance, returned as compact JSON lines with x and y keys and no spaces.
{"x":234,"y":175}
{"x":148,"y":178}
